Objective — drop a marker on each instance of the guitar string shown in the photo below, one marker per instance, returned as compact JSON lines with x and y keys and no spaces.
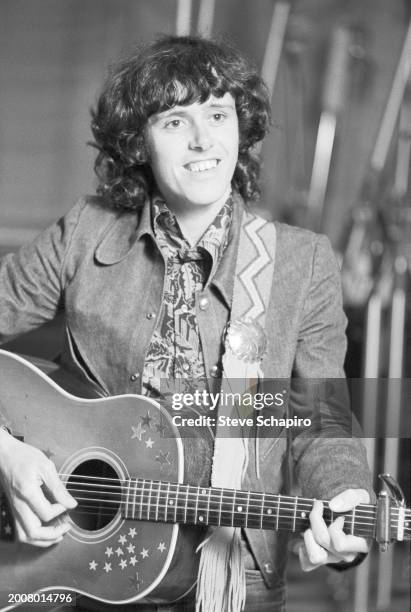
{"x":359,"y":509}
{"x":162,"y":503}
{"x":284,"y":498}
{"x":283,"y":521}
{"x":119,"y":483}
{"x":154,"y":506}
{"x":217,"y":498}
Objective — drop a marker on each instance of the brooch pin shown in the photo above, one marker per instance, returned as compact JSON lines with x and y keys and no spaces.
{"x":246,"y":339}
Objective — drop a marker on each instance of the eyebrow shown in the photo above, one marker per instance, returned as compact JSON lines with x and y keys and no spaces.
{"x":180,"y":110}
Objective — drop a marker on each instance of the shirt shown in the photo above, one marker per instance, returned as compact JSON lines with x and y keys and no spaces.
{"x":175,"y":358}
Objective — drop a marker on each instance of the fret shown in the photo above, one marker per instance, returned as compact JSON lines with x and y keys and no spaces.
{"x":247,"y":508}
{"x":303,"y":517}
{"x":295,"y":513}
{"x":208,"y":506}
{"x":133,"y":512}
{"x":196,"y":505}
{"x":127,"y":497}
{"x":149,"y":500}
{"x":233,"y":509}
{"x":352,"y":520}
{"x":220,"y":506}
{"x":141,"y":499}
{"x":240,"y":516}
{"x":157,"y":501}
{"x":186,"y":504}
{"x":277,"y":518}
{"x":262,"y":511}
{"x":176,"y":502}
{"x":202,"y":508}
{"x":166,"y":504}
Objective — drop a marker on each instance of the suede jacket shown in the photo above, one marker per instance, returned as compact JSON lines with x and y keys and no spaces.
{"x":104,"y":269}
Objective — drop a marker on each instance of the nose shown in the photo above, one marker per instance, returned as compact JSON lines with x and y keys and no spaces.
{"x":200,"y":137}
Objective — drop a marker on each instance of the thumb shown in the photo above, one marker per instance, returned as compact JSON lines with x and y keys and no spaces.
{"x":57,"y":490}
{"x":348,"y":499}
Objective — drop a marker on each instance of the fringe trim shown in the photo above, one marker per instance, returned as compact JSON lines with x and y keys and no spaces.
{"x":221,"y":583}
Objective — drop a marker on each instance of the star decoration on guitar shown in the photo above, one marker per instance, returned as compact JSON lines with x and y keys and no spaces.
{"x":161,"y":428}
{"x":146,"y":420}
{"x":163,"y":458}
{"x":138,"y":432}
{"x":125,"y":555}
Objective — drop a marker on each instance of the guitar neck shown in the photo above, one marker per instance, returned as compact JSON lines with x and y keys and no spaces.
{"x":182,"y":503}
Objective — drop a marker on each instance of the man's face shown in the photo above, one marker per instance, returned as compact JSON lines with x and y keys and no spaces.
{"x":193,"y":152}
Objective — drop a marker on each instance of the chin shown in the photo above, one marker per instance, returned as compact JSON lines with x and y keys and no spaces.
{"x":207,"y":199}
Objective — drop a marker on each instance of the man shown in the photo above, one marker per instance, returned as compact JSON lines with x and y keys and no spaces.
{"x":146,"y":273}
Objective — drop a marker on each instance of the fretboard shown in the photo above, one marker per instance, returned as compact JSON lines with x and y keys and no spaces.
{"x":182,"y":503}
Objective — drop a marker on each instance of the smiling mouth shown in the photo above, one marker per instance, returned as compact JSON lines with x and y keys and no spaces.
{"x":202,"y":166}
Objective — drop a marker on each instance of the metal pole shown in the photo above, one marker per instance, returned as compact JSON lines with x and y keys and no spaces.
{"x":273,"y":49}
{"x":393,"y":414}
{"x":183,"y":17}
{"x":275,"y":44}
{"x":334,"y":93}
{"x":370,"y":402}
{"x":206,"y":17}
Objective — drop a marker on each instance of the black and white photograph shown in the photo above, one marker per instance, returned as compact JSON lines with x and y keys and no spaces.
{"x":205,"y":347}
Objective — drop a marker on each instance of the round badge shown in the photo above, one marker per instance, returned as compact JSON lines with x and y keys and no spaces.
{"x":246,"y":339}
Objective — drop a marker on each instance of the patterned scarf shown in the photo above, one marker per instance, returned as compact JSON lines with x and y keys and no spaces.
{"x":175,"y":355}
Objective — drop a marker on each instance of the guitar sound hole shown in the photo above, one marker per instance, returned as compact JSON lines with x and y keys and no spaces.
{"x":96,"y":487}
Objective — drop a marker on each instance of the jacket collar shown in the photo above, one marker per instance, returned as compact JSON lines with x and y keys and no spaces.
{"x":126,"y":229}
{"x":223,"y":278}
{"x":122,"y":234}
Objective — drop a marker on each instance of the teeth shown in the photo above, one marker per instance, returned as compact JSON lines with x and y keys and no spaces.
{"x":200,"y":166}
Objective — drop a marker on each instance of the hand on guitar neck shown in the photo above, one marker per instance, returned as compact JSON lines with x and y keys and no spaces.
{"x":322,"y":544}
{"x":37,"y":496}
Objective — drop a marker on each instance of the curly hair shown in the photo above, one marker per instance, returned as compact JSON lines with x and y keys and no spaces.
{"x":174,"y":70}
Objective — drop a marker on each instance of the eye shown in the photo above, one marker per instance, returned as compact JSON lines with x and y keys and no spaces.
{"x":173,"y":124}
{"x":218,"y":117}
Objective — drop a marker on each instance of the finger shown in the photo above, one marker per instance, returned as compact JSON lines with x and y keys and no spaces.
{"x":22,"y":536}
{"x":29,"y":527}
{"x":316,"y":554}
{"x":56,"y":488}
{"x":318,"y":526}
{"x":345,"y":545}
{"x":40,"y":505}
{"x":306,"y":564}
{"x":348,"y":499}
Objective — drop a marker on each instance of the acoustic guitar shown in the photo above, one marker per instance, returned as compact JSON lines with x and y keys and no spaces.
{"x":143,"y":499}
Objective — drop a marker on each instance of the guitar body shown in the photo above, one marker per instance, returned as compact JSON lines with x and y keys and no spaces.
{"x":104,"y":556}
